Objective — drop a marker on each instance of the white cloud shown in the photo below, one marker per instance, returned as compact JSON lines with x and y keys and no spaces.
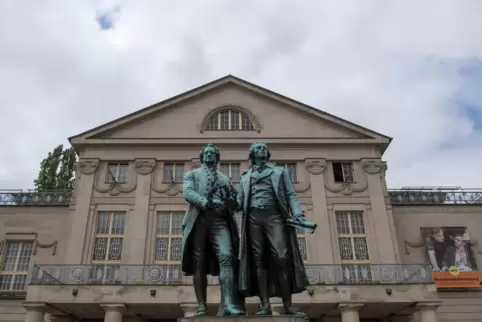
{"x":390,"y":66}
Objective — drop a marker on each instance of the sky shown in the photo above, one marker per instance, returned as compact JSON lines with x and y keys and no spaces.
{"x":411,"y":70}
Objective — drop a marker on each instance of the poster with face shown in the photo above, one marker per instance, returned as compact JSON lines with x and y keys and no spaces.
{"x":448,"y":248}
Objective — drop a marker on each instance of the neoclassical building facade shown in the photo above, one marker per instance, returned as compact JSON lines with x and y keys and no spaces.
{"x":110,"y":249}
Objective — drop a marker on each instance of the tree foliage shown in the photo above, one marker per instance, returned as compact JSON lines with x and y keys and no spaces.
{"x":57,"y":170}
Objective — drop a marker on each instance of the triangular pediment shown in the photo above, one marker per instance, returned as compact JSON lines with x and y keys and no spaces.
{"x":184,"y":117}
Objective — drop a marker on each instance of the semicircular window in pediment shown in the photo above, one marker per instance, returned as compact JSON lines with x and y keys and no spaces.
{"x":229,"y":120}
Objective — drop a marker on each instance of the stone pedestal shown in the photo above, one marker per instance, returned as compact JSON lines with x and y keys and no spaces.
{"x":244,"y":318}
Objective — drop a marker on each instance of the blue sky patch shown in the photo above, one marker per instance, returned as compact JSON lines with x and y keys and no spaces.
{"x":469,"y":95}
{"x":108,"y":18}
{"x":474,"y":113}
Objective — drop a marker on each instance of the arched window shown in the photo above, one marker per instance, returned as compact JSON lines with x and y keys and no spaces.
{"x":229,"y":120}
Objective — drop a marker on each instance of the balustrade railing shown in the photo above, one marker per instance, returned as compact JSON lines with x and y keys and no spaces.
{"x":163,"y":275}
{"x":435,"y":196}
{"x":33,"y":197}
{"x":409,"y":196}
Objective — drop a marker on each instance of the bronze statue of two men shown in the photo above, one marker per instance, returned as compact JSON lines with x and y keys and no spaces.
{"x":266,"y":260}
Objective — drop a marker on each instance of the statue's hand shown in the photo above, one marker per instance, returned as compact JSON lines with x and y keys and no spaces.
{"x":217,"y":203}
{"x":204,"y":204}
{"x":231,"y":204}
{"x":299,"y":217}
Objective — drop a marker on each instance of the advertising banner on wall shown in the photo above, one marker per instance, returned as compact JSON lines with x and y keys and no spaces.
{"x":449,"y":252}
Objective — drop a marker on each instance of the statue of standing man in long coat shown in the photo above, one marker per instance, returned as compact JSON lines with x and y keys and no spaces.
{"x":210,"y":241}
{"x":271,"y":262}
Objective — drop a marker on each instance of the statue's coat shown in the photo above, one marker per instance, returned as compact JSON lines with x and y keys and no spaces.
{"x":289,"y":206}
{"x":196,"y":187}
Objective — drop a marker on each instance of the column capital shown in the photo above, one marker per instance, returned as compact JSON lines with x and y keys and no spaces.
{"x":88,"y":166}
{"x":113,"y":307}
{"x":34,"y":306}
{"x":315,"y":166}
{"x":145,"y":166}
{"x":189,"y":309}
{"x":350,"y":306}
{"x":373,"y":166}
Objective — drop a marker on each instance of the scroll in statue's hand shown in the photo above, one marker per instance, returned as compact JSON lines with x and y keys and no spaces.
{"x":299,"y":217}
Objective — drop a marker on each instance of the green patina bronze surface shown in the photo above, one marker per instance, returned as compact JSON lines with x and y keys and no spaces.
{"x":271,"y":264}
{"x":210,"y":242}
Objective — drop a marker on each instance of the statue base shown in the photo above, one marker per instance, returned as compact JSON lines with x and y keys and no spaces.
{"x":245,"y":318}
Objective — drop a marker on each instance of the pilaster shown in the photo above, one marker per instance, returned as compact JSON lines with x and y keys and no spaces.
{"x":380,"y":216}
{"x":79,"y":220}
{"x":322,"y":234}
{"x":136,"y":228}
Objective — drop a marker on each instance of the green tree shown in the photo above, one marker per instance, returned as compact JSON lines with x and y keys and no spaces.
{"x":57,"y":170}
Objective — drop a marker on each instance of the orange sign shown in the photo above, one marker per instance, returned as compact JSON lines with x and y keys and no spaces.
{"x":456,"y":279}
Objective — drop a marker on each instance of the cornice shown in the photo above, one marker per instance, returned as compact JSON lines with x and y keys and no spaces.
{"x":240,"y":140}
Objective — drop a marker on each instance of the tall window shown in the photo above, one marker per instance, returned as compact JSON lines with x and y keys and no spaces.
{"x":107,"y":254}
{"x":229,"y":120}
{"x":15,"y":266}
{"x":232,"y":171}
{"x":343,"y":172}
{"x":117,"y":173}
{"x":352,"y":241}
{"x":109,"y":237}
{"x":168,"y":237}
{"x":291,"y":169}
{"x":173,"y":172}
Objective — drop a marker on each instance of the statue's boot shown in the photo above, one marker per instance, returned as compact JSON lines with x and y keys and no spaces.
{"x":231,"y":309}
{"x":265,"y":310}
{"x":227,"y":289}
{"x":285,"y":285}
{"x":202,"y":310}
{"x":200,"y":288}
{"x":262,"y":278}
{"x":291,"y":310}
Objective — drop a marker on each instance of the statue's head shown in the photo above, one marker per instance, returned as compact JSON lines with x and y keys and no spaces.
{"x":210,"y":154}
{"x":259,"y":150}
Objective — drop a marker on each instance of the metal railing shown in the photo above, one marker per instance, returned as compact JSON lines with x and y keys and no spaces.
{"x":12,"y":294}
{"x":161,"y":275}
{"x":435,"y":196}
{"x":404,"y":196}
{"x":34,"y":198}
